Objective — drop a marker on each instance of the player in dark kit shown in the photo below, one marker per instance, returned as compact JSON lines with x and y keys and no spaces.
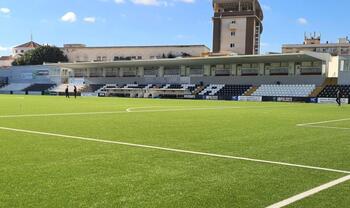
{"x":339,"y":96}
{"x":67,"y":92}
{"x":75,"y":91}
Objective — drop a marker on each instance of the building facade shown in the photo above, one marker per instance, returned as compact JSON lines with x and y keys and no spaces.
{"x":237,"y":26}
{"x":313,"y":43}
{"x":6,"y":61}
{"x":81,"y":53}
{"x":20,"y":50}
{"x":300,"y":68}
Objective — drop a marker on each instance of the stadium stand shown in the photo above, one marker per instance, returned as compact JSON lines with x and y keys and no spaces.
{"x":212,"y":89}
{"x":61,"y":88}
{"x":228,"y":91}
{"x":3,"y":81}
{"x":92,"y":88}
{"x":14,"y":87}
{"x":39,"y":87}
{"x":285,"y":90}
{"x":134,"y":86}
{"x":330,"y":91}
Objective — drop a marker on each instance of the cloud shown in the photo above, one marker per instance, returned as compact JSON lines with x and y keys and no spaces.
{"x":265,"y":7}
{"x":119,"y":1}
{"x":69,"y":17}
{"x":187,"y":1}
{"x":149,"y":2}
{"x":90,"y":19}
{"x":152,"y":2}
{"x":5,"y":10}
{"x":4,"y":48}
{"x":302,"y":21}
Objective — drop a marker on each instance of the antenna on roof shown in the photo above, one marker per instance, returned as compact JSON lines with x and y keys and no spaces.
{"x":31,"y":37}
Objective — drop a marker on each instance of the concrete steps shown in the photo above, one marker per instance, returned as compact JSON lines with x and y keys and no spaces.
{"x":251,"y":91}
{"x":328,"y":81}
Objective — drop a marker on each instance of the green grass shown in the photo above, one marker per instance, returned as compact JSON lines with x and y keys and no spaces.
{"x":47,"y":171}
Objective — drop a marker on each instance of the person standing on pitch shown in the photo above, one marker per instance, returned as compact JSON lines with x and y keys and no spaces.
{"x":75,"y":92}
{"x":67,"y":92}
{"x":339,"y":97}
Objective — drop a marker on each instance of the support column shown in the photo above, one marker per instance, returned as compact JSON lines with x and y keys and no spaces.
{"x":261,"y":69}
{"x":121,"y":72}
{"x":183,"y":71}
{"x":206,"y":70}
{"x":234,"y":70}
{"x":291,"y":69}
{"x":161,"y":71}
{"x":141,"y":71}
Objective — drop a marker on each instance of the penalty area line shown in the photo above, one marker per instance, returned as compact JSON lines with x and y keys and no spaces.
{"x":174,"y":150}
{"x":310,"y":192}
{"x":134,"y":110}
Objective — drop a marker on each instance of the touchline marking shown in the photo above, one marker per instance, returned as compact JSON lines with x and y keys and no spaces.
{"x":174,"y":150}
{"x":323,"y":122}
{"x":325,"y":127}
{"x":308,"y":193}
{"x":132,"y":110}
{"x":61,"y":114}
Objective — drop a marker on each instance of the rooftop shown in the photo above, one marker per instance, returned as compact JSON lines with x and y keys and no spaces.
{"x":30,"y":44}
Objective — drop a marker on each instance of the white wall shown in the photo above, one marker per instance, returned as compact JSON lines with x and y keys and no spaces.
{"x":88,"y":54}
{"x":239,"y":39}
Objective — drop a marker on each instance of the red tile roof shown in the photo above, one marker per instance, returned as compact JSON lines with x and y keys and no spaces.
{"x":30,"y":44}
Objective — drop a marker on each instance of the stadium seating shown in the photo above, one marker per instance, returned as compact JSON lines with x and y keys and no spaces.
{"x":134,"y":86}
{"x":61,"y":88}
{"x":285,"y":90}
{"x":212,"y":89}
{"x":15,"y":87}
{"x":228,"y":91}
{"x":330,"y":91}
{"x":39,"y":87}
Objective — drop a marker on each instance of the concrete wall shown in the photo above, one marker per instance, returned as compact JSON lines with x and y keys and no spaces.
{"x":344,"y":78}
{"x":259,"y":80}
{"x":31,"y":74}
{"x":239,"y":39}
{"x":88,"y":54}
{"x":138,"y":80}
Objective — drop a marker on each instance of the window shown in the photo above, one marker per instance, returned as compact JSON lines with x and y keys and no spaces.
{"x":233,"y":22}
{"x":233,"y":33}
{"x":232,"y":45}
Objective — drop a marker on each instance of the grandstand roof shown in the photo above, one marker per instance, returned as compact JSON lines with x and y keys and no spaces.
{"x":270,"y":58}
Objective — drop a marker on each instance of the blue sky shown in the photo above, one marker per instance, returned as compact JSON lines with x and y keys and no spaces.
{"x":149,"y":22}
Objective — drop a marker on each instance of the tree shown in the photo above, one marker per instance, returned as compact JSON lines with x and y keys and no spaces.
{"x":48,"y":54}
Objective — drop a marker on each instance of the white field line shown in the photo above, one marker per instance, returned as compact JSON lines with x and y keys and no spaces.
{"x":60,"y":114}
{"x":315,"y":124}
{"x":174,"y":150}
{"x":176,"y":108}
{"x":309,"y":193}
{"x":326,"y":127}
{"x":132,"y":110}
{"x":324,"y":122}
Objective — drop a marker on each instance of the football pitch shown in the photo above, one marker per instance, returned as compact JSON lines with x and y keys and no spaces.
{"x":112,"y":152}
